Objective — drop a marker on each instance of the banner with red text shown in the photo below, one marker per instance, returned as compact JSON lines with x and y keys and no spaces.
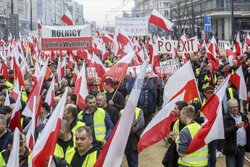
{"x":66,"y":37}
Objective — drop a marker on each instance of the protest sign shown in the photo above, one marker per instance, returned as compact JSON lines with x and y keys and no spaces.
{"x":167,"y":46}
{"x":66,"y":37}
{"x":137,"y":26}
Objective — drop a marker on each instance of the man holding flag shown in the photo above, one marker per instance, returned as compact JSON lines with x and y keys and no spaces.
{"x":197,"y":158}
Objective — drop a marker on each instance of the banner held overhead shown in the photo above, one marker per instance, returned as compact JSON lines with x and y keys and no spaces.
{"x":66,"y":37}
{"x":137,"y":26}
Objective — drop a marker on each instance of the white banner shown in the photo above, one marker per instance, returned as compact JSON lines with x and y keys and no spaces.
{"x":66,"y":37}
{"x":137,"y":26}
{"x":167,"y":46}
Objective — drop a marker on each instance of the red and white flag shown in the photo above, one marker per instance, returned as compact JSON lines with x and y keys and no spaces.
{"x":71,"y":62}
{"x":35,"y":92}
{"x":45,"y":144}
{"x":118,"y":71}
{"x":230,"y":54}
{"x":30,"y":136}
{"x":15,"y":91}
{"x":212,"y":59}
{"x":63,"y":68}
{"x":81,"y":89}
{"x":58,"y":71}
{"x":159,"y":127}
{"x":14,"y":154}
{"x":50,"y":94}
{"x":4,"y":68}
{"x":238,"y":45}
{"x":157,"y":19}
{"x":113,"y":150}
{"x":75,"y":72}
{"x":18,"y":73}
{"x":182,"y":80}
{"x":15,"y":120}
{"x":67,"y":18}
{"x":99,"y":67}
{"x":213,"y":129}
{"x":237,"y":79}
{"x":248,"y":39}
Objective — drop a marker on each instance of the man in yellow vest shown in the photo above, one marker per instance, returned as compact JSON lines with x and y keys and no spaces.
{"x":98,"y":120}
{"x":197,"y":158}
{"x":84,"y":154}
{"x":65,"y":140}
{"x":171,"y":157}
{"x":70,"y":115}
{"x":4,"y":82}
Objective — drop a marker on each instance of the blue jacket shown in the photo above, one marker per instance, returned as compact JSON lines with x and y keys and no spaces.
{"x":150,"y":86}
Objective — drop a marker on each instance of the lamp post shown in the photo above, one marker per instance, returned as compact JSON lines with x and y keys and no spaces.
{"x":232,"y":19}
{"x":30,"y":15}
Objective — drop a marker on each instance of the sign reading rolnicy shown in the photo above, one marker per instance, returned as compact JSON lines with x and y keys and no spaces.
{"x":66,"y":37}
{"x":137,"y":26}
{"x":167,"y":46}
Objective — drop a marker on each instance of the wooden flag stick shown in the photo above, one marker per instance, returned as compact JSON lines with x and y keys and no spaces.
{"x":116,"y":90}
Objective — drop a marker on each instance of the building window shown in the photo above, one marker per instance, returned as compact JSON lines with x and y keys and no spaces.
{"x":166,"y":12}
{"x":165,"y":4}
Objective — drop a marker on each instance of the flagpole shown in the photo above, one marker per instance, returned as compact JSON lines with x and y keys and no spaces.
{"x":50,"y":161}
{"x":116,"y":90}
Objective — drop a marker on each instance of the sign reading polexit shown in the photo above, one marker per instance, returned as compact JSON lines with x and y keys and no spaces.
{"x":66,"y":37}
{"x":188,"y":46}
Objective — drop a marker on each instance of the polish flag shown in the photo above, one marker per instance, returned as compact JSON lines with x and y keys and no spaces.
{"x":35,"y":92}
{"x":15,"y":91}
{"x":47,"y":74}
{"x":182,"y":80}
{"x":157,"y":19}
{"x":213,"y":129}
{"x":81,"y":89}
{"x":159,"y":127}
{"x":7,"y":99}
{"x":67,"y":18}
{"x":213,"y":47}
{"x":156,"y":61}
{"x":63,"y":68}
{"x":107,"y":38}
{"x":123,"y":39}
{"x":40,"y":25}
{"x":113,"y":150}
{"x":212,"y":59}
{"x":18,"y":72}
{"x":4,"y":69}
{"x":115,"y":46}
{"x":58,"y":71}
{"x":14,"y":154}
{"x":15,"y":120}
{"x":37,"y":72}
{"x":238,"y":45}
{"x":231,"y":55}
{"x":75,"y":73}
{"x":50,"y":94}
{"x":71,"y":62}
{"x":45,"y":144}
{"x":119,"y":69}
{"x":99,"y":67}
{"x":238,"y":81}
{"x":30,"y":136}
{"x":248,"y":39}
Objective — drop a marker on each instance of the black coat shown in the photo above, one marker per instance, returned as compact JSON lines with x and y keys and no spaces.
{"x":230,"y":147}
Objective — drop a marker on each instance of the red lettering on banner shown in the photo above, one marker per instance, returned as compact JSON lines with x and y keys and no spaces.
{"x":192,"y":44}
{"x":168,"y":46}
{"x":160,"y":44}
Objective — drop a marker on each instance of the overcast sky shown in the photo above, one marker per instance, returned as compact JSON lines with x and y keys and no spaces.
{"x":101,"y":10}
